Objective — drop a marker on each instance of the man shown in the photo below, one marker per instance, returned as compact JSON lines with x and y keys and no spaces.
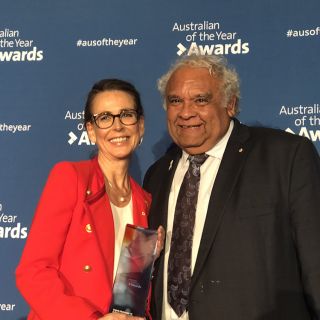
{"x":256,"y":236}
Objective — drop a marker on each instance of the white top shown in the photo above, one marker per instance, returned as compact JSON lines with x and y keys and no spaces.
{"x":208,"y":170}
{"x":121,"y":217}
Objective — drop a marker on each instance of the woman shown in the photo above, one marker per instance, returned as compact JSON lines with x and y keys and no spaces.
{"x":69,"y":261}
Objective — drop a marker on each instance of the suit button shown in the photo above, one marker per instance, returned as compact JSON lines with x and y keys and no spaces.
{"x":88,"y":192}
{"x":88,"y":228}
{"x":87,"y":268}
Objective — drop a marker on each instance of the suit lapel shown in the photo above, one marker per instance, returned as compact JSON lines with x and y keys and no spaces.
{"x":229,"y":170}
{"x":160,"y":209}
{"x":159,"y":217}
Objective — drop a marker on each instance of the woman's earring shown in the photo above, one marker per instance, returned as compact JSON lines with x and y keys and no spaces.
{"x":140,"y":141}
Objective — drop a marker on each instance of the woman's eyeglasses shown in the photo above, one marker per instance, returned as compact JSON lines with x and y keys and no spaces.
{"x":105,"y":120}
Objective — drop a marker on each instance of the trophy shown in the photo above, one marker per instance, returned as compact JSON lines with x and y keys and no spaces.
{"x":132,"y":280}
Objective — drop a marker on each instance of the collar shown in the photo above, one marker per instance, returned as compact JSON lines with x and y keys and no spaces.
{"x":95,"y":185}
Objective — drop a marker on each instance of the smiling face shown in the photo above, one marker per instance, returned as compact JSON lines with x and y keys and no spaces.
{"x":198,"y":114}
{"x":118,"y":141}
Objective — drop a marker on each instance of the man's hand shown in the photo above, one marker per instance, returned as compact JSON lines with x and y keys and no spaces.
{"x":160,"y":240}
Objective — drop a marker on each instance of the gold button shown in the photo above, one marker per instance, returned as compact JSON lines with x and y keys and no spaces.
{"x":88,"y":228}
{"x":88,"y":192}
{"x":143,"y":213}
{"x":87,"y":268}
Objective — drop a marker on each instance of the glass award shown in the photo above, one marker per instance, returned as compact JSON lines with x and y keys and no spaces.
{"x":133,"y":276}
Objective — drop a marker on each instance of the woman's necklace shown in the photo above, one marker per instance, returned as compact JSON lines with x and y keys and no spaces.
{"x":118,"y":196}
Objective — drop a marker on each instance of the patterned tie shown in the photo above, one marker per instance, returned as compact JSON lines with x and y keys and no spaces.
{"x":179,"y":263}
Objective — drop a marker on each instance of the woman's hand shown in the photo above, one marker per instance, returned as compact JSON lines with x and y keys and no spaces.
{"x":160,"y":240}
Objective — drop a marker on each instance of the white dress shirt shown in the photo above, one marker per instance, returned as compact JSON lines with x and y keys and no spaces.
{"x":121,"y":217}
{"x":208,"y":170}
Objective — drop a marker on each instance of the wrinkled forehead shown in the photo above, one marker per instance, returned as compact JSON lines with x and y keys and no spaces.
{"x":192,"y":81}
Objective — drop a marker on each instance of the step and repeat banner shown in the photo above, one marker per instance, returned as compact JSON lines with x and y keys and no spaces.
{"x":51,"y":53}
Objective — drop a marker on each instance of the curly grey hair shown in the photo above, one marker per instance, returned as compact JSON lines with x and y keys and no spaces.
{"x":217,"y":67}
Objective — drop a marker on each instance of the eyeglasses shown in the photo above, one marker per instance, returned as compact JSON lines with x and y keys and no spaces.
{"x":105,"y":120}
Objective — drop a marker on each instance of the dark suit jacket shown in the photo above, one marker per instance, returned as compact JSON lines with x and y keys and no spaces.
{"x":259,"y":256}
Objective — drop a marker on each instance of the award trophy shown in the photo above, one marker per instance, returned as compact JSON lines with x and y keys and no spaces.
{"x":132,"y":280}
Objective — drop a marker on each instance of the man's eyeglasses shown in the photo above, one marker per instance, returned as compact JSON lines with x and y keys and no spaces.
{"x":105,"y":120}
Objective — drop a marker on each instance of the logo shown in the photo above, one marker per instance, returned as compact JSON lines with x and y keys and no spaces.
{"x":79,"y":135}
{"x":306,"y":120}
{"x":181,"y":48}
{"x":73,"y":138}
{"x":13,"y":48}
{"x":82,"y":139}
{"x":218,"y":49}
{"x":10,"y":228}
{"x":207,"y":38}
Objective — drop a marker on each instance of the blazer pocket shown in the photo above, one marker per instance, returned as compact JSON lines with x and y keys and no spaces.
{"x":256,"y":211}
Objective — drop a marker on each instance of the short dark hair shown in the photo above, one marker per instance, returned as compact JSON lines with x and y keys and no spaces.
{"x":111,"y":85}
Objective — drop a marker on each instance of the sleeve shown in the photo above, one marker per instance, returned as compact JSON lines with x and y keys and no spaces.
{"x":147,"y":179}
{"x":37,"y":275}
{"x":305,"y":215}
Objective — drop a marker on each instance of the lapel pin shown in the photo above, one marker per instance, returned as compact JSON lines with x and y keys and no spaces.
{"x":170,"y":166}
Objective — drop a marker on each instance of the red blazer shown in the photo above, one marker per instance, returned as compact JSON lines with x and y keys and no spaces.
{"x":66,"y":269}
